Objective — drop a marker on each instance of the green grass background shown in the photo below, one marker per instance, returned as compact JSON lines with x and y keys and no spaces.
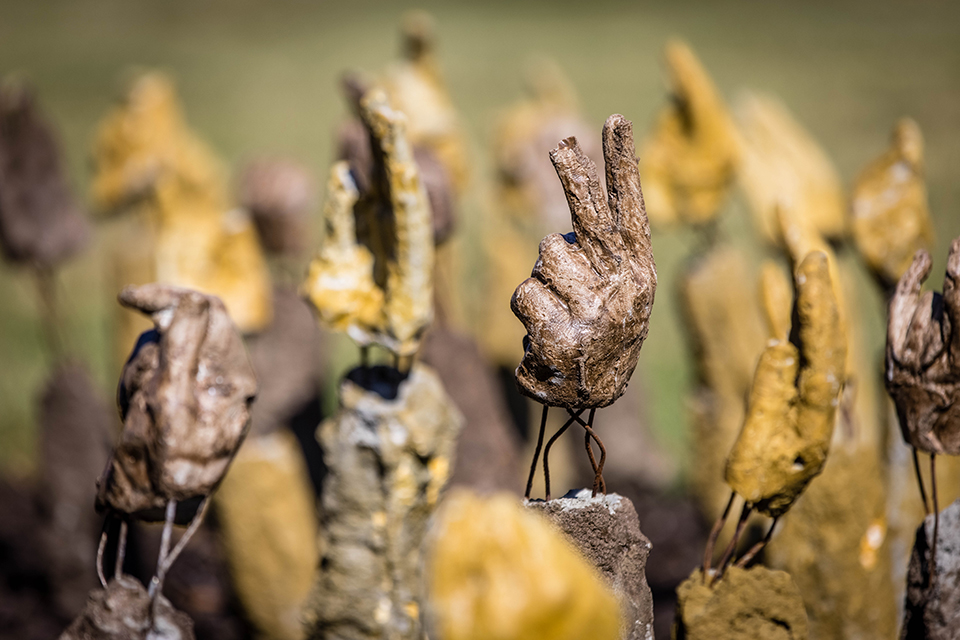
{"x":261,"y":77}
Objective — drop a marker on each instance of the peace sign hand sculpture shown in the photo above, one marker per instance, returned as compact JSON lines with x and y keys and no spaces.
{"x":587,"y":306}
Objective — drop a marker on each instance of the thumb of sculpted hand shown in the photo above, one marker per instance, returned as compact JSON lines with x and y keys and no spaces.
{"x":587,"y":306}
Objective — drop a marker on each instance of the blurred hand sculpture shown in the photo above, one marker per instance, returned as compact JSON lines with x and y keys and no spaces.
{"x":379,"y":290}
{"x":184,"y":399}
{"x":891,"y":219}
{"x":923,"y":365}
{"x":587,"y":306}
{"x":689,"y":159}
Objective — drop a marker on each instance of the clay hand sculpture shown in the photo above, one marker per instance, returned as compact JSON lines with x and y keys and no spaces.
{"x":586,"y":308}
{"x":184,"y":398}
{"x":923,"y":366}
{"x":380,"y":290}
{"x":890,"y":216}
{"x":689,"y":159}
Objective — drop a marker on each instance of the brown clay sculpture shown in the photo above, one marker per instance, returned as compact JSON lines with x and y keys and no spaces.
{"x":791,"y":409}
{"x":889,"y":213}
{"x":689,"y":159}
{"x":587,"y":306}
{"x":923,"y":365}
{"x":184,"y":398}
{"x":380,"y":290}
{"x":280,"y":194}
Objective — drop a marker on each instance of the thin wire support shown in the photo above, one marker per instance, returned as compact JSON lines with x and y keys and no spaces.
{"x":728,"y":553}
{"x":598,"y":483}
{"x":755,"y":549}
{"x":100,"y":548}
{"x":923,"y":492}
{"x":536,"y":452}
{"x":121,"y":550}
{"x":936,"y":517}
{"x":546,"y":453}
{"x":156,"y":583}
{"x":714,"y":534}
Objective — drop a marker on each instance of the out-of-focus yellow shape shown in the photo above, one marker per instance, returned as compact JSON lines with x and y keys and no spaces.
{"x":781,"y":165}
{"x":499,"y":573}
{"x":776,"y":300}
{"x":416,"y":87}
{"x":269,"y":528}
{"x":688,"y":162}
{"x":380,"y":291}
{"x":727,"y":335}
{"x":792,"y":408}
{"x":150,"y":164}
{"x":890,"y":216}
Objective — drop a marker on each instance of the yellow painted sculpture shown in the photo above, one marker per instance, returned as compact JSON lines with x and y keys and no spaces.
{"x":416,"y":87}
{"x":793,"y":403}
{"x":783,"y":166}
{"x":148,"y":163}
{"x":689,"y":159}
{"x":380,"y":291}
{"x":889,"y":212}
{"x":497,"y":572}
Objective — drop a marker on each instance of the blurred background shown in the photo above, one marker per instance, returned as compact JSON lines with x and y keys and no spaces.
{"x":261,"y":78}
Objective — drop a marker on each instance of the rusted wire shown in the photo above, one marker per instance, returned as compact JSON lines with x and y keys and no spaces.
{"x":936,"y":517}
{"x":755,"y":549}
{"x":728,"y":553}
{"x":598,"y":482}
{"x":923,"y":492}
{"x":714,"y":534}
{"x":546,"y":452}
{"x":121,"y":550}
{"x":536,"y":452}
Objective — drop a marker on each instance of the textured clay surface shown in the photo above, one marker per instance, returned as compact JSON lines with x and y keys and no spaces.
{"x":496,"y":570}
{"x":923,"y":356}
{"x":605,"y":529}
{"x":587,"y":306}
{"x":184,"y":399}
{"x":122,"y":612}
{"x":745,"y":605}
{"x":933,"y":598}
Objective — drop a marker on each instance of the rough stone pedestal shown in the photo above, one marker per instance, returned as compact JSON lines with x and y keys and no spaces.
{"x":122,"y":612}
{"x":933,"y":602}
{"x":744,"y":605}
{"x":606,"y":530}
{"x":389,"y":451}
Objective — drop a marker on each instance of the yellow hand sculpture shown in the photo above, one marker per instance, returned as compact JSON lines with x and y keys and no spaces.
{"x":793,"y":403}
{"x":380,"y":291}
{"x":689,"y":159}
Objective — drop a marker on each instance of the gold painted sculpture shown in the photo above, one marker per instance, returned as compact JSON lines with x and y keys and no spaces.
{"x":689,"y":159}
{"x":380,"y":290}
{"x":149,"y":164}
{"x":496,"y":571}
{"x":889,"y":212}
{"x":783,"y":166}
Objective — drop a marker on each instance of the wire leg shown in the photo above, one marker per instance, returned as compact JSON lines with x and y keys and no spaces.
{"x":121,"y":550}
{"x":156,"y":583}
{"x":923,"y":493}
{"x":755,"y":549}
{"x":185,"y":538}
{"x":536,"y":452}
{"x":100,"y":548}
{"x":714,"y":534}
{"x":546,"y":453}
{"x":732,"y":547}
{"x":598,"y":482}
{"x":936,"y":517}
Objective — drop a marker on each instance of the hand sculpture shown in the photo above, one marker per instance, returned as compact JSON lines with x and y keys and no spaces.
{"x":380,"y":291}
{"x":923,"y":356}
{"x":587,"y":306}
{"x":184,"y":399}
{"x":689,"y":159}
{"x":891,"y":219}
{"x":792,"y":406}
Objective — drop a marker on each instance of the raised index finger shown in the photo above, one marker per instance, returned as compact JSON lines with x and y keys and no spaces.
{"x":624,"y":195}
{"x":592,"y":221}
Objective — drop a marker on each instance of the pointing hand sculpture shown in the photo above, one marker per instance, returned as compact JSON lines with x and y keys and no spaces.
{"x":380,"y":290}
{"x":586,"y":308}
{"x":184,"y":399}
{"x":688,"y":161}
